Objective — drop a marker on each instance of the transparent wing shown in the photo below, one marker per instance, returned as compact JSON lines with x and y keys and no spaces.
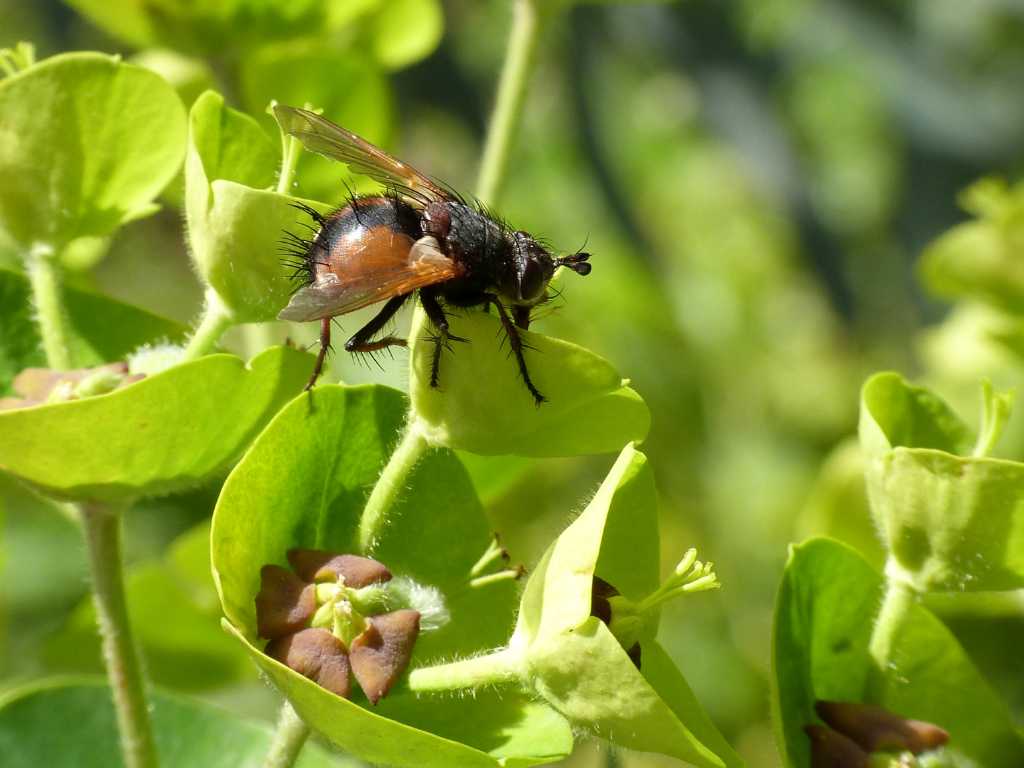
{"x":320,"y":135}
{"x":359,"y":282}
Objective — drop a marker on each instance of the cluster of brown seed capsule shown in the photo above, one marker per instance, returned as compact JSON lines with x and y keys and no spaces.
{"x":857,"y":730}
{"x":285,"y":607}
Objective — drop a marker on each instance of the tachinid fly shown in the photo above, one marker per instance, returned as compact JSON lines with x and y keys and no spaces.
{"x":417,"y":236}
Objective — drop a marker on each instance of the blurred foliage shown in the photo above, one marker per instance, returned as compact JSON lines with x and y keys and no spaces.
{"x":756,"y":181}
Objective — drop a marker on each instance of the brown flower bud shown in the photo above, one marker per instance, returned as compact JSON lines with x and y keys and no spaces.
{"x":381,"y":653}
{"x":318,"y":565}
{"x":877,"y":729}
{"x":831,"y":749}
{"x":285,"y":603}
{"x":316,"y":654}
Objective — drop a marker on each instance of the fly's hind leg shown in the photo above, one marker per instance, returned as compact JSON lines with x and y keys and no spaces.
{"x":437,"y":317}
{"x":362,"y":340}
{"x":325,"y":347}
{"x":516,"y":343}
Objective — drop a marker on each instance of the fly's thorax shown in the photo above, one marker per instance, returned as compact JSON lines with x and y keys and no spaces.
{"x":468,"y":236}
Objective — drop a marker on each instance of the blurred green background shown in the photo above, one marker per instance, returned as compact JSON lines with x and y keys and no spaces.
{"x":757,"y":181}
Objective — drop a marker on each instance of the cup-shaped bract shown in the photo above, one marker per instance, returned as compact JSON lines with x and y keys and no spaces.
{"x":951,"y":518}
{"x":574,"y":661}
{"x":481,"y":404}
{"x":828,"y":602}
{"x":304,"y":484}
{"x":87,"y":143}
{"x":236,"y":222}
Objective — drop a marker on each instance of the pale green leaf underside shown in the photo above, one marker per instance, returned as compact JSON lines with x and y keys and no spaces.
{"x":482,"y":405}
{"x":167,"y":432}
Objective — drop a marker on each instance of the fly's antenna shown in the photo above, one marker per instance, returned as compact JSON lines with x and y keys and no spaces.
{"x":577,"y":262}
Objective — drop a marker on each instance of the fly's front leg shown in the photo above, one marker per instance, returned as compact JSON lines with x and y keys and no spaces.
{"x":516,"y":343}
{"x":521,"y":315}
{"x":361,"y":340}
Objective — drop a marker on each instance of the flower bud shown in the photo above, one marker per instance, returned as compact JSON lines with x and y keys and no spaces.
{"x":877,"y":729}
{"x":831,"y":749}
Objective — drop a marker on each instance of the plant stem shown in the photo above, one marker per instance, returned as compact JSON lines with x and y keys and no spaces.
{"x":215,"y":321}
{"x":508,"y":106}
{"x":389,"y":486}
{"x":502,"y":666}
{"x":44,"y":275}
{"x":290,"y":736}
{"x":899,"y":599}
{"x":102,"y":528}
{"x":289,"y":160}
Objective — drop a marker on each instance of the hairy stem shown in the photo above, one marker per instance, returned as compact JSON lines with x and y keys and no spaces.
{"x":897,"y":603}
{"x":390,"y":485}
{"x":102,"y":528}
{"x":508,"y":106}
{"x":44,"y":275}
{"x":289,"y":738}
{"x":503,"y":666}
{"x":215,"y":321}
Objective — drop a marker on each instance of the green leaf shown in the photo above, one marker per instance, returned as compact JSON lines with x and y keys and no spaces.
{"x":824,"y":614}
{"x":405,"y":31}
{"x":482,"y":405}
{"x":951,"y":522}
{"x":166,"y":432}
{"x":979,"y":259}
{"x":573,"y":660}
{"x":235,"y":226}
{"x":304,"y":483}
{"x":615,"y":538}
{"x":350,"y":89}
{"x":101,"y":329}
{"x":91,"y":141}
{"x":72,"y":724}
{"x":587,"y":676}
{"x":177,"y":625}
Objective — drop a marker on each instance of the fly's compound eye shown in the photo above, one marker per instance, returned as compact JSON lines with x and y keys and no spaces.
{"x":533,"y":280}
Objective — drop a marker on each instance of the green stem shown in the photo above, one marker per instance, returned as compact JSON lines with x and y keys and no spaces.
{"x":502,"y":666}
{"x":290,"y":736}
{"x":899,"y":599}
{"x":102,"y":528}
{"x":390,"y":485}
{"x":508,"y":106}
{"x":215,"y":321}
{"x":290,"y":159}
{"x":44,"y":275}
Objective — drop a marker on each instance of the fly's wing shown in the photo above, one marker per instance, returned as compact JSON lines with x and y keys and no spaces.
{"x":373,"y":277}
{"x":324,"y":137}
